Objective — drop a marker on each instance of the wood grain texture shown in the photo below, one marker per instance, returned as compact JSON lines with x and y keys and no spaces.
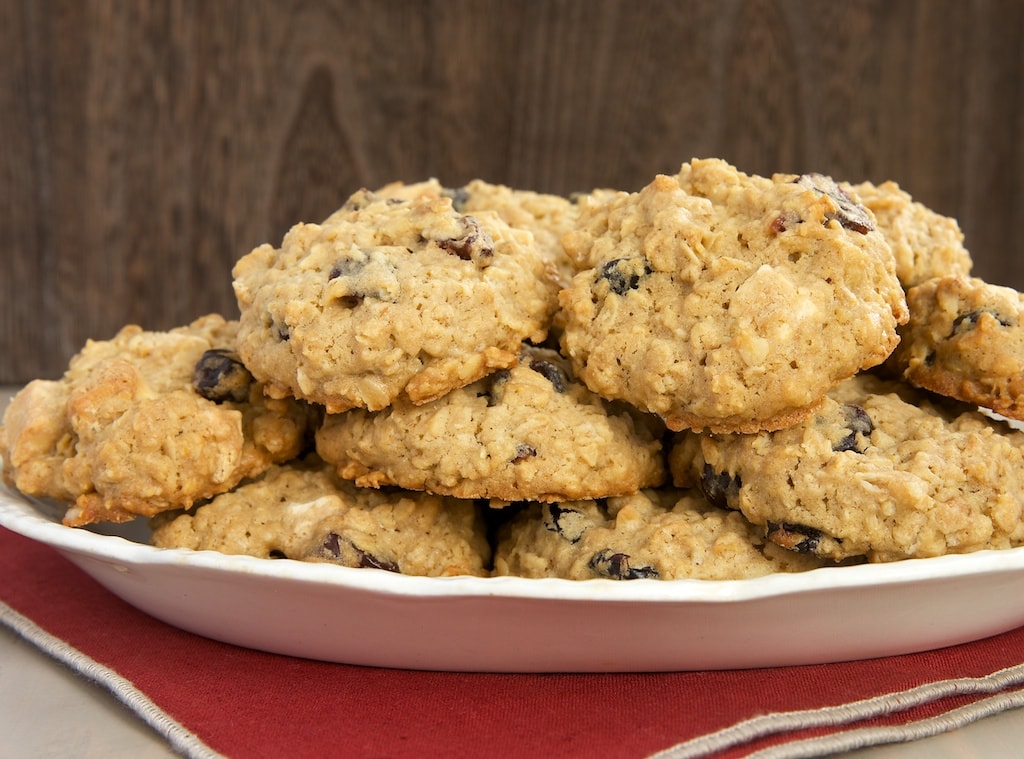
{"x":147,"y":145}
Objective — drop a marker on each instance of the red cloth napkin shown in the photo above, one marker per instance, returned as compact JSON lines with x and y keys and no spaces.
{"x":210,"y":696}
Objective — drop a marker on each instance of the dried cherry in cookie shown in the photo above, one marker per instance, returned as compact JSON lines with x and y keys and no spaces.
{"x":344,"y":551}
{"x":221,"y":376}
{"x":568,"y":522}
{"x":969,"y":320}
{"x":623,"y":275}
{"x":849,"y":213}
{"x":616,"y":566}
{"x":794,"y":537}
{"x":546,"y":217}
{"x":555,"y":373}
{"x":857,"y":428}
{"x":492,"y":387}
{"x":719,"y":487}
{"x":524,"y":451}
{"x":472,"y":242}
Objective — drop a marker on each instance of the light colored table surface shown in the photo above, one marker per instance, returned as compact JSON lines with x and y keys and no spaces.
{"x":46,"y":710}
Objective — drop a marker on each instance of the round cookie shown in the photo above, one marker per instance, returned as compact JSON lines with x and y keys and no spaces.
{"x":965,"y":340}
{"x":924,"y":243}
{"x":662,"y":534}
{"x":728,"y":302}
{"x":145,"y":422}
{"x":302,"y":511}
{"x":391,"y":297}
{"x":880,"y":470}
{"x":530,"y":432}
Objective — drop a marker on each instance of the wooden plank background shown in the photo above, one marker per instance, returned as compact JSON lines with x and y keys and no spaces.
{"x":145,"y":146}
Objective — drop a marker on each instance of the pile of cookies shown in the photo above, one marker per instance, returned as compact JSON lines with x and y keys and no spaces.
{"x":720,"y":376}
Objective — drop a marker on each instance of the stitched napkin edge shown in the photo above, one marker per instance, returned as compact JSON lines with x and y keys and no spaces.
{"x":181,"y":740}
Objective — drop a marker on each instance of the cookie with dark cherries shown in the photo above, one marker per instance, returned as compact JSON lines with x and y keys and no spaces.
{"x":965,"y":340}
{"x":728,"y":302}
{"x":148,"y":421}
{"x":882,"y":470}
{"x":663,"y":534}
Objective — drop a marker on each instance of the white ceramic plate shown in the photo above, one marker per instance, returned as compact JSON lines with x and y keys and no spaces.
{"x":378,"y":618}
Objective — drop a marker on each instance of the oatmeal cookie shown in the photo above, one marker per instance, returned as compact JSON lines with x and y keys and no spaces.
{"x":924,"y":243}
{"x":391,"y":297}
{"x":302,"y":511}
{"x":148,"y":421}
{"x":880,"y":470}
{"x":655,"y":534}
{"x":729,"y":302}
{"x":965,"y":340}
{"x":530,"y":432}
